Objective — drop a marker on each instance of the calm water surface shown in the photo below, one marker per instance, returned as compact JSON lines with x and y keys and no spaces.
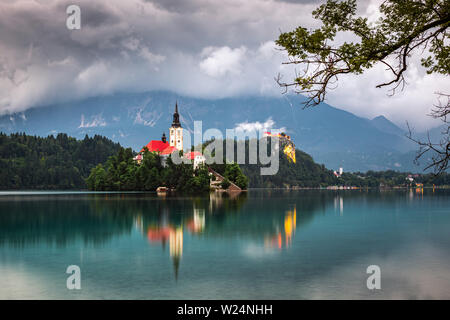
{"x":260,"y":244}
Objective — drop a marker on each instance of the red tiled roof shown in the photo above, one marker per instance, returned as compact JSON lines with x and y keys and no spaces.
{"x":160,"y":147}
{"x":191,"y":155}
{"x":169,"y":150}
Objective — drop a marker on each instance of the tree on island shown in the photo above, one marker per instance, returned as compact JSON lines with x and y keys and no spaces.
{"x":405,"y":27}
{"x":122,"y":173}
{"x":62,"y":162}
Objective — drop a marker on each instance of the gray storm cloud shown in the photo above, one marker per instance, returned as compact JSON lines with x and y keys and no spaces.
{"x":200,"y":48}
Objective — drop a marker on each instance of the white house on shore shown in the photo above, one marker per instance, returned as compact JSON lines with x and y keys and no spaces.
{"x":197,"y":157}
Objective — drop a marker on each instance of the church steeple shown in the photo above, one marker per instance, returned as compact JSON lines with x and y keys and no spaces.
{"x":176,"y":131}
{"x":176,"y":118}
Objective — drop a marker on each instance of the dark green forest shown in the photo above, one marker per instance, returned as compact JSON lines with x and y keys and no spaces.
{"x":304,"y":173}
{"x":54,"y":162}
{"x":122,"y":173}
{"x":391,"y":178}
{"x":62,"y":163}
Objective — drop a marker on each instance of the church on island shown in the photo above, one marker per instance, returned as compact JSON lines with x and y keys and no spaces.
{"x":175,"y":144}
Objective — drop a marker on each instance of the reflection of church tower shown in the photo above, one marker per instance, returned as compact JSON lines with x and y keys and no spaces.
{"x":176,"y":248}
{"x":176,"y":131}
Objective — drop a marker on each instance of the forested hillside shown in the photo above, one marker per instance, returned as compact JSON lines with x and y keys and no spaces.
{"x":53,"y":162}
{"x":61,"y":163}
{"x":304,"y":173}
{"x":331,"y":136}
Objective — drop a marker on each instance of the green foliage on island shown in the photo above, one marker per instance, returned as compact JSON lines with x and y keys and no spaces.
{"x":232,"y":172}
{"x":53,"y":163}
{"x":225,"y":184}
{"x":61,"y":163}
{"x":122,"y":173}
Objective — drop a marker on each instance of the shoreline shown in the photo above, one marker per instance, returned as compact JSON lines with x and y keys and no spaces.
{"x":48,"y":191}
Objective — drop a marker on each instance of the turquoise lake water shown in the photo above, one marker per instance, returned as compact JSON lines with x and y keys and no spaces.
{"x":261,"y":244}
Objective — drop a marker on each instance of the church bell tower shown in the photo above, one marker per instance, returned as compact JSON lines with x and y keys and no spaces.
{"x":176,"y":131}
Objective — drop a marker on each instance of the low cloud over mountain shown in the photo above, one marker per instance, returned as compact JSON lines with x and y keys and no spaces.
{"x":197,"y":48}
{"x":332,"y":136}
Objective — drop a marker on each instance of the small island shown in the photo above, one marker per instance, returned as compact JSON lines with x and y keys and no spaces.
{"x":152,"y":168}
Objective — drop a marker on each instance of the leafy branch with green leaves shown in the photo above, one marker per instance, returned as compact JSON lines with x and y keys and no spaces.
{"x":405,"y":27}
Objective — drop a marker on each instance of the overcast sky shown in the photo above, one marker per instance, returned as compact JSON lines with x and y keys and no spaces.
{"x":199,"y":48}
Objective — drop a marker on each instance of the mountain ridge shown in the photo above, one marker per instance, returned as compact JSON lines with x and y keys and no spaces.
{"x":332,"y":136}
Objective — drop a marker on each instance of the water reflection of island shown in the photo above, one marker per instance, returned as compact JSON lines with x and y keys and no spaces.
{"x":206,"y":219}
{"x":285,"y":235}
{"x":269,"y":217}
{"x":165,"y":232}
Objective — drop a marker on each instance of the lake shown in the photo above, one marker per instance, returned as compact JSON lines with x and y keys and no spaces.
{"x":261,"y":244}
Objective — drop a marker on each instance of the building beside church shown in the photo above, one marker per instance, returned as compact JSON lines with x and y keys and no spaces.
{"x":197,"y":157}
{"x":162,"y":147}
